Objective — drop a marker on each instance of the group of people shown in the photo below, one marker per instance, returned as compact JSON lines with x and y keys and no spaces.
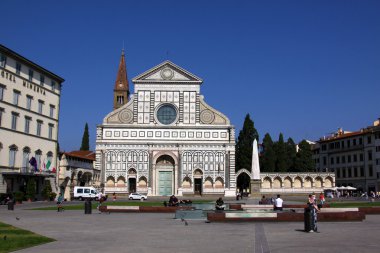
{"x":173,"y":201}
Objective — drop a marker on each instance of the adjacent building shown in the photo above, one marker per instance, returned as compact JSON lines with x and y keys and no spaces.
{"x":29,"y":120}
{"x":76,"y":168}
{"x":165,"y":139}
{"x":353,"y":156}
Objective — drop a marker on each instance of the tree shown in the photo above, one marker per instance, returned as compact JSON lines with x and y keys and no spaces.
{"x":244,"y":144}
{"x":31,"y":189}
{"x":268,"y":159}
{"x":85,"y":139}
{"x":291,"y":152}
{"x":281,"y":157}
{"x":304,"y":161}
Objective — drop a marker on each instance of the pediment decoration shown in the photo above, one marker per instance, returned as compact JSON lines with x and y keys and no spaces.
{"x":122,"y":115}
{"x":167,"y":72}
{"x":210,"y":116}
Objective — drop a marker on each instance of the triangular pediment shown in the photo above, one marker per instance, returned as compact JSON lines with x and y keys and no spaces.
{"x":167,"y":72}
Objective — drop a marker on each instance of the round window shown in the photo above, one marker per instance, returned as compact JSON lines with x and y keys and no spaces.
{"x":166,"y":114}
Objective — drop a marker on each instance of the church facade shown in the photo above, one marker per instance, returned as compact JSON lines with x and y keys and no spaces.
{"x":164,"y":138}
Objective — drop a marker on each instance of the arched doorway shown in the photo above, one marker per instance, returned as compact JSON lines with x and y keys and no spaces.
{"x":132,"y":180}
{"x":165,"y":169}
{"x":198,"y":178}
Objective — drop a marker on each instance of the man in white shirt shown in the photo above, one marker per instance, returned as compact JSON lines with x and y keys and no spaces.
{"x":278,"y":203}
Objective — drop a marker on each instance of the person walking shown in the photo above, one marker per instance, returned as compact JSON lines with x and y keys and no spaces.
{"x":313,"y":207}
{"x":321,"y":198}
{"x":59,"y":203}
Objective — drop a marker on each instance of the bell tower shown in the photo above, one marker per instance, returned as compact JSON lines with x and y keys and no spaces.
{"x":121,"y":89}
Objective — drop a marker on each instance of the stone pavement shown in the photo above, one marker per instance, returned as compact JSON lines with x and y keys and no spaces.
{"x":150,"y":232}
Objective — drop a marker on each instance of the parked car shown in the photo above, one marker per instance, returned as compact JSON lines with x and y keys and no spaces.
{"x":85,"y":192}
{"x":137,"y":196}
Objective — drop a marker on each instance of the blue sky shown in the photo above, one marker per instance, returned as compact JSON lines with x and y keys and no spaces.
{"x":303,"y":68}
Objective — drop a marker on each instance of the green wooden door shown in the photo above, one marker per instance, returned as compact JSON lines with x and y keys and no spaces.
{"x":165,"y":183}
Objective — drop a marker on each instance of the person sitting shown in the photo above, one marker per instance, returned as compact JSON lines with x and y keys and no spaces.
{"x":219,"y":205}
{"x":278,"y":203}
{"x":173,"y":201}
{"x":185,"y":201}
{"x":263,"y":201}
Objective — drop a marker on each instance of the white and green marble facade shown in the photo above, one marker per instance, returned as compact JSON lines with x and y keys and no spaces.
{"x":194,"y":154}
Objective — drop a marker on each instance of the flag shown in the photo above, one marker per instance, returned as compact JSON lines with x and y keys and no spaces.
{"x":42,"y":167}
{"x":48,"y":165}
{"x":53,"y":170}
{"x":33,"y":162}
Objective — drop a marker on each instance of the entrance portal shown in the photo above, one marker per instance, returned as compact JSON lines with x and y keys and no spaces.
{"x":198,"y":186}
{"x":165,"y":183}
{"x":132,"y":184}
{"x":165,"y":175}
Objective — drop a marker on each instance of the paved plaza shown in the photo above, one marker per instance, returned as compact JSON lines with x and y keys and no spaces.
{"x":153,"y":232}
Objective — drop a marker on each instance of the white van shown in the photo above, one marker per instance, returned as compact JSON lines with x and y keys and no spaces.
{"x":85,"y":192}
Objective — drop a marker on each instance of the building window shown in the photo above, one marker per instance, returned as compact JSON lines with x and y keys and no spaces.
{"x":343,"y":159}
{"x":51,"y":126}
{"x":30,"y":75}
{"x":362,"y":171}
{"x":355,"y":158}
{"x":369,"y":155}
{"x":349,"y":172}
{"x":52,"y":107}
{"x":42,"y":80}
{"x":342,"y":144}
{"x":370,"y":170}
{"x":349,"y":158}
{"x":332,"y":160}
{"x":3,"y":60}
{"x":348,"y":143}
{"x":369,"y":139}
{"x":38,"y":154}
{"x":324,"y":161}
{"x":338,"y":172}
{"x":361,"y":157}
{"x":343,"y":172}
{"x":120,"y":100}
{"x":377,"y":148}
{"x":324,"y":147}
{"x":18,"y":68}
{"x":27,"y":124}
{"x":29,"y":102}
{"x":337,"y":160}
{"x":14,"y":120}
{"x":377,"y":161}
{"x":12,"y":155}
{"x":355,"y":172}
{"x":360,"y":141}
{"x":1,"y":116}
{"x":40,"y":105}
{"x":354,"y":142}
{"x":25,"y":157}
{"x":2,"y":88}
{"x":39,"y":127}
{"x":52,"y":85}
{"x":16,"y":96}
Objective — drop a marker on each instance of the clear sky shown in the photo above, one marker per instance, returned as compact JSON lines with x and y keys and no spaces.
{"x":303,"y":68}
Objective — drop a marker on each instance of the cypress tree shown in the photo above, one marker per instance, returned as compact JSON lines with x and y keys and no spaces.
{"x":244,"y":144}
{"x":291,"y":152}
{"x":281,"y":157}
{"x":85,"y":139}
{"x":268,"y":159}
{"x":304,"y":161}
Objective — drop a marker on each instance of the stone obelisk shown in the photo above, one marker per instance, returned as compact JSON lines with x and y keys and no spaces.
{"x":255,"y":170}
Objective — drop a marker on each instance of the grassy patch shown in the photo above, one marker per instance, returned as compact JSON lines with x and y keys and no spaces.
{"x":12,"y":238}
{"x":116,"y":203}
{"x":354,"y":204}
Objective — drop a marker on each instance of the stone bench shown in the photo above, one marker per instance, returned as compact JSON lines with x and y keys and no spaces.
{"x":283,"y":216}
{"x":143,"y":209}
